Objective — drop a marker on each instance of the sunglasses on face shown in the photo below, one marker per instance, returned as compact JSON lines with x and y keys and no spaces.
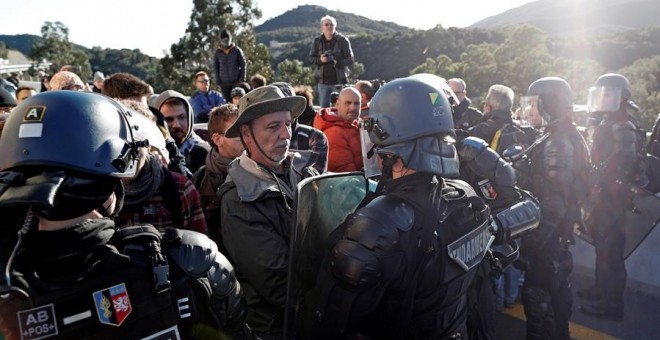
{"x":205,"y":81}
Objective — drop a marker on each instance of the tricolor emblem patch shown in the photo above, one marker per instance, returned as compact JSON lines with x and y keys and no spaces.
{"x":113,"y":305}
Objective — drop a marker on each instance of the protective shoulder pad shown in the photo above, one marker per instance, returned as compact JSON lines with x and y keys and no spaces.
{"x":471,"y":147}
{"x":193,"y":252}
{"x":391,"y":210}
{"x":376,"y":226}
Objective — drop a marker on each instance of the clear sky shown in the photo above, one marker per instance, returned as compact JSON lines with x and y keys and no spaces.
{"x":154,"y":25}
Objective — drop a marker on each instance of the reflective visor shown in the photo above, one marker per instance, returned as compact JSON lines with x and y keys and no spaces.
{"x":604,"y":99}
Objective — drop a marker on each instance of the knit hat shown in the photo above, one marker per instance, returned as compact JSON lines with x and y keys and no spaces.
{"x":225,"y":34}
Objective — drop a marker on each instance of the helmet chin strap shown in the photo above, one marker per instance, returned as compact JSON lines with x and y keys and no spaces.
{"x":388,"y":164}
{"x":119,"y":203}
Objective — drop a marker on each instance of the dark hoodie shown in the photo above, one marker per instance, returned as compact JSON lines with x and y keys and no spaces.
{"x":193,"y":147}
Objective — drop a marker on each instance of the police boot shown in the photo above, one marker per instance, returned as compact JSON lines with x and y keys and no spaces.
{"x":589,"y":293}
{"x":604,"y":309}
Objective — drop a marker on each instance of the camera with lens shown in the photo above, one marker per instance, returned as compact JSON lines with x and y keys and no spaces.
{"x":328,"y":54}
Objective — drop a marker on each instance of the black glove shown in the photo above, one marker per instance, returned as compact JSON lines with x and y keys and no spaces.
{"x":177,"y":161}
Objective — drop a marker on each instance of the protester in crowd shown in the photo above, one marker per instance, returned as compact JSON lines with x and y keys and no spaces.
{"x":236,"y":94}
{"x":309,"y":143}
{"x":178,"y":114}
{"x":341,"y":126}
{"x":204,"y":99}
{"x":97,"y":85}
{"x":24,"y":92}
{"x":256,"y":205}
{"x":465,"y":116}
{"x":367,"y":91}
{"x":66,"y":80}
{"x":331,"y":54}
{"x":230,"y":64}
{"x":258,"y":80}
{"x":209,"y":177}
{"x":307,"y":117}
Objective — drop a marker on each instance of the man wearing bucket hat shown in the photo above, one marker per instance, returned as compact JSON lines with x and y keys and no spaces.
{"x":256,"y":204}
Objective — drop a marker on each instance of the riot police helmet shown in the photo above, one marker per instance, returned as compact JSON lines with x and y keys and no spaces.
{"x":547,"y":100}
{"x":611,"y":93}
{"x":65,"y":152}
{"x":411,"y":118}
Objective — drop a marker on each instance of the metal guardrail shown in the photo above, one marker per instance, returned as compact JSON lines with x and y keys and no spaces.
{"x":14,"y":68}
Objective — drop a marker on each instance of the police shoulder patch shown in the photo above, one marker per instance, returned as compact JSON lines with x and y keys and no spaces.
{"x":113,"y":305}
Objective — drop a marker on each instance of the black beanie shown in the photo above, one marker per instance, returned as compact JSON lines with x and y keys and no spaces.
{"x":225,"y":34}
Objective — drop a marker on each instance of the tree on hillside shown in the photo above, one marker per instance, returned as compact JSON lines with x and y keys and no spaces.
{"x":294,"y":73}
{"x":111,"y":61}
{"x":644,"y":76}
{"x":57,"y":49}
{"x":523,"y":57}
{"x":195,"y":50}
{"x":442,"y":66}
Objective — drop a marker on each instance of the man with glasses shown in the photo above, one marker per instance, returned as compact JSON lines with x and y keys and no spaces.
{"x":465,"y":116}
{"x":204,"y":99}
{"x":332,"y":54}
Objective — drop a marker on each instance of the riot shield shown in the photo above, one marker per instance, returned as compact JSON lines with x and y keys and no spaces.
{"x":637,"y":223}
{"x":323,"y":203}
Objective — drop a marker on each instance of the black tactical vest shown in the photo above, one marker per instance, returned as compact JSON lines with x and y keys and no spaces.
{"x":132,"y":293}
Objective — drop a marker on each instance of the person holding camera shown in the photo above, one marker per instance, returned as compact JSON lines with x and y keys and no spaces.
{"x":332,"y":54}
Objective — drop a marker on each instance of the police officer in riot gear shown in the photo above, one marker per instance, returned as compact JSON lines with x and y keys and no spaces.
{"x":71,"y":274}
{"x":559,"y":170}
{"x":616,"y":153}
{"x":400,"y":265}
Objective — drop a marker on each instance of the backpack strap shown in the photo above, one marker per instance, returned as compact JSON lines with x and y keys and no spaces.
{"x":171,"y":198}
{"x":141,"y":238}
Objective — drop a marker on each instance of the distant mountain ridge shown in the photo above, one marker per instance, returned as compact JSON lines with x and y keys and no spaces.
{"x":578,"y":16}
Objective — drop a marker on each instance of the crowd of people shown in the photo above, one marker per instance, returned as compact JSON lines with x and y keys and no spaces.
{"x":141,"y":215}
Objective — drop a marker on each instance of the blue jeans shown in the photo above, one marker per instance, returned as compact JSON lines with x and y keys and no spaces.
{"x":506,"y":286}
{"x":324,"y":94}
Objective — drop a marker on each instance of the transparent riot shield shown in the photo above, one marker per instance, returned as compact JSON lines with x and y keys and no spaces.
{"x":323,"y":203}
{"x":637,"y":223}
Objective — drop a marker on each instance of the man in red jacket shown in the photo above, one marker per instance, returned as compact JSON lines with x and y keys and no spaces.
{"x":341,"y":125}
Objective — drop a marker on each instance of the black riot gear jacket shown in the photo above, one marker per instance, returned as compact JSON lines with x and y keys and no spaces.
{"x":400,"y":265}
{"x":90,"y":282}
